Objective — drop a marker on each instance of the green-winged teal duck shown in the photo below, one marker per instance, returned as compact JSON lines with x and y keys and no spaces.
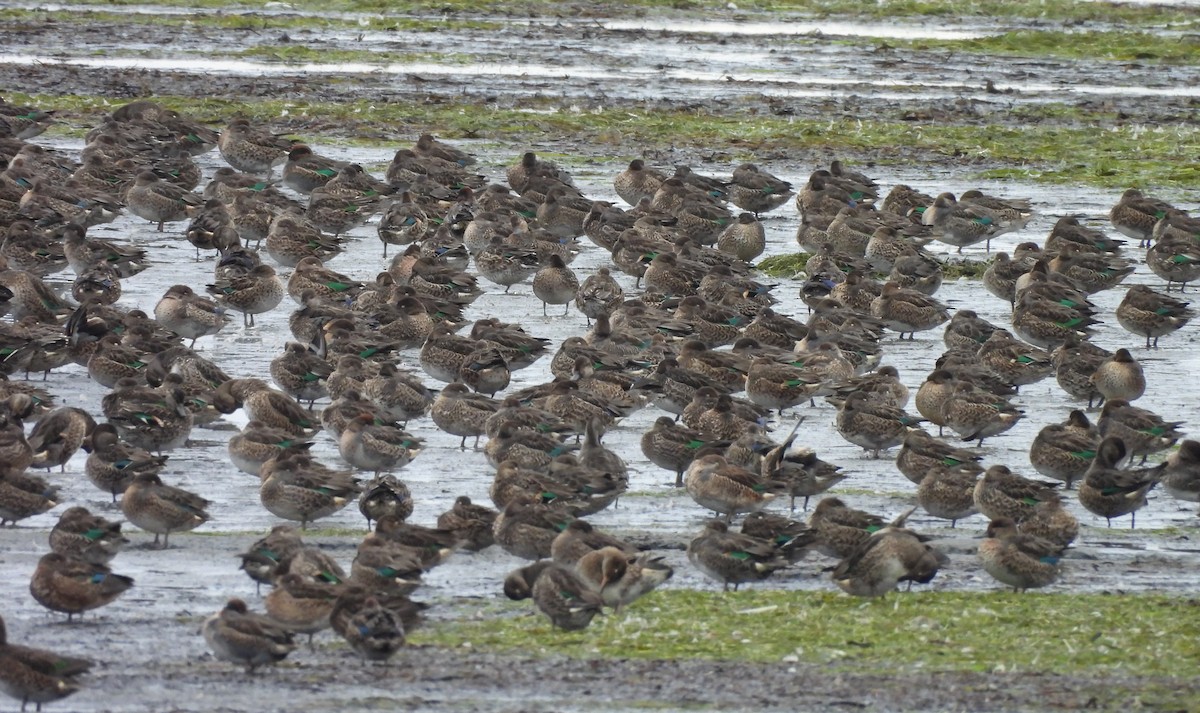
{"x":485,"y":369}
{"x":1141,"y":431}
{"x":599,"y":294}
{"x":1176,"y":260}
{"x":258,"y":443}
{"x":432,"y":545}
{"x":162,"y":509}
{"x":83,"y":253}
{"x":745,"y":239}
{"x":841,"y":529}
{"x":1052,"y":521}
{"x":1181,"y":479}
{"x":1013,"y":360}
{"x":637,"y":181}
{"x":1090,"y":272}
{"x":385,"y":495}
{"x":92,"y":538}
{"x":301,"y":373}
{"x":291,"y":239}
{"x":459,"y":412}
{"x":251,"y":149}
{"x":267,"y":557}
{"x":726,"y":489}
{"x":962,"y":223}
{"x":620,"y":577}
{"x":237,"y":635}
{"x":160,"y":202}
{"x":1002,"y":273}
{"x":374,"y":631}
{"x":1003,"y":493}
{"x":518,"y":584}
{"x":376,"y":447}
{"x":29,"y":249}
{"x":975,"y":413}
{"x":798,"y":470}
{"x":755,"y":190}
{"x":1152,"y":314}
{"x":792,"y":538}
{"x":158,"y":423}
{"x":1074,"y":363}
{"x":506,"y":265}
{"x":112,"y":464}
{"x":23,"y":496}
{"x":873,"y":426}
{"x":1135,"y":214}
{"x":579,"y":538}
{"x":384,"y":565}
{"x":671,"y":446}
{"x":1064,"y":451}
{"x":472,"y":523}
{"x":527,"y":528}
{"x":527,"y":449}
{"x":302,"y":605}
{"x":593,"y":454}
{"x":444,"y":352}
{"x":256,"y":293}
{"x":72,"y":586}
{"x":562,"y":596}
{"x":734,"y":558}
{"x":304,"y":170}
{"x":403,"y":222}
{"x":294,"y":487}
{"x":921,"y":453}
{"x":59,"y":435}
{"x":1018,"y":559}
{"x":35,"y":675}
{"x":1110,"y":491}
{"x":907,"y":311}
{"x":888,"y":557}
{"x":948,"y":494}
{"x":1119,"y":377}
{"x":780,"y":386}
{"x":266,"y":405}
{"x":555,"y":284}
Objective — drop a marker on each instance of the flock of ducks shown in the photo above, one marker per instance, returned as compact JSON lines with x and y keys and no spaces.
{"x":661,"y":346}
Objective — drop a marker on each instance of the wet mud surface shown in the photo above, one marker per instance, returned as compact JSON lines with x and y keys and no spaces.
{"x":153,"y":658}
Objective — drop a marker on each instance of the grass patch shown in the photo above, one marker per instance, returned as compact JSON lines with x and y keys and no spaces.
{"x":1134,"y":635}
{"x":1115,"y":156}
{"x":783,"y":265}
{"x":1065,"y":10}
{"x":296,"y":53}
{"x":953,"y":269}
{"x":1116,"y":46}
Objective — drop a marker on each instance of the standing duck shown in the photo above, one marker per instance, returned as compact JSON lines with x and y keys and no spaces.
{"x":92,"y":538}
{"x":1120,"y":377}
{"x":112,"y":463}
{"x":733,"y":558}
{"x":563,"y":597}
{"x":1152,"y":314}
{"x":36,"y":675}
{"x":72,"y":586}
{"x":1110,"y":491}
{"x":1020,"y":560}
{"x":1064,"y":451}
{"x":237,"y":635}
{"x":1182,"y":476}
{"x":162,"y":509}
{"x":888,"y":557}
